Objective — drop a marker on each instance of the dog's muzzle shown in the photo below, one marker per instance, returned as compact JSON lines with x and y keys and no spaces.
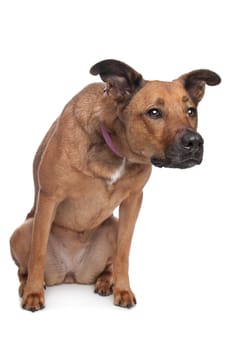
{"x":185,"y":152}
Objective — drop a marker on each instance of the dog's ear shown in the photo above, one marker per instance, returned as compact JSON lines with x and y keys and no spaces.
{"x":194,"y":82}
{"x":120,"y":78}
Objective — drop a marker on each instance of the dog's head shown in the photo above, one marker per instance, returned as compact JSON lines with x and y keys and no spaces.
{"x":160,"y":118}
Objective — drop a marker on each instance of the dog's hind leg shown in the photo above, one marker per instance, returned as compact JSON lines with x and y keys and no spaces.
{"x":22,"y":279}
{"x":20,"y":248}
{"x":104,"y":283}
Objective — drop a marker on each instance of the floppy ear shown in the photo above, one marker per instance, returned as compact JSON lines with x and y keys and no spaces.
{"x":119,"y":77}
{"x":194,"y":82}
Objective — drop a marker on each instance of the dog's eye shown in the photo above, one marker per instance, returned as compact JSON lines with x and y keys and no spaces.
{"x":192,"y":112}
{"x":155,"y":113}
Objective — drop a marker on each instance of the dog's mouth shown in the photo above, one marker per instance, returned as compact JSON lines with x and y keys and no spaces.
{"x":180,"y":164}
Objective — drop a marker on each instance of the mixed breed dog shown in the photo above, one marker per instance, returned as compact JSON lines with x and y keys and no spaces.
{"x":98,"y":156}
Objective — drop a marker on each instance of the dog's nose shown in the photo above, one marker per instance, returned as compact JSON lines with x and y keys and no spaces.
{"x":192,"y":141}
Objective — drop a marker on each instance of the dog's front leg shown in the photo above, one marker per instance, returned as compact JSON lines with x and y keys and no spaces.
{"x":33,"y":296}
{"x":128,"y":213}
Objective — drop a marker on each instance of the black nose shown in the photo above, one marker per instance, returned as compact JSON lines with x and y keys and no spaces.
{"x":192,"y":141}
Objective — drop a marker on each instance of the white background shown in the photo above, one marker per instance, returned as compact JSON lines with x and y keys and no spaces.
{"x":182,"y":257}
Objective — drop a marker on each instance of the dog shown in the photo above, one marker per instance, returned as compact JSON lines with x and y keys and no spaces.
{"x":98,"y":156}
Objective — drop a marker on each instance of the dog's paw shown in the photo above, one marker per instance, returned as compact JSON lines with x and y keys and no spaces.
{"x":33,"y":301}
{"x":124,"y":298}
{"x":103,"y":287}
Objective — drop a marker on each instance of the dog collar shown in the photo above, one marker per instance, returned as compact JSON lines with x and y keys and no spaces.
{"x":108,"y":140}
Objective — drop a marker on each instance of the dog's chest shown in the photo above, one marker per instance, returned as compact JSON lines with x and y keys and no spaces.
{"x":117,"y":173}
{"x":94,"y":199}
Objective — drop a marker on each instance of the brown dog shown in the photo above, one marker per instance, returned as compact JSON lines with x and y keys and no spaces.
{"x":96,"y":157}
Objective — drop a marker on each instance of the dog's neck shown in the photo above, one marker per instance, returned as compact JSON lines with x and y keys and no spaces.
{"x":108,"y":141}
{"x":118,"y":143}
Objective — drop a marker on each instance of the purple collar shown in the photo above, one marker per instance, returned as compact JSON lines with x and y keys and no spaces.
{"x":108,"y":140}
